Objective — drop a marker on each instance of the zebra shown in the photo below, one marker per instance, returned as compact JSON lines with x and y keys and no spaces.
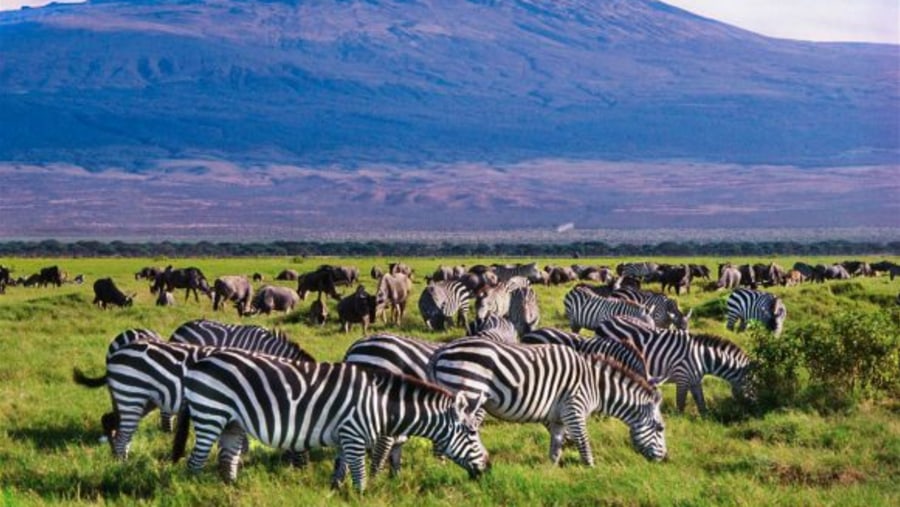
{"x":494,"y":328}
{"x":624,"y":352}
{"x":250,"y":338}
{"x":586,"y":310}
{"x":440,"y":302}
{"x":299,"y":405}
{"x":665,"y":309}
{"x":130,"y":336}
{"x":505,"y":272}
{"x":682,"y":357}
{"x":496,"y":299}
{"x":523,"y":309}
{"x":643,"y":271}
{"x":141,"y":376}
{"x":747,"y":304}
{"x":553,"y":385}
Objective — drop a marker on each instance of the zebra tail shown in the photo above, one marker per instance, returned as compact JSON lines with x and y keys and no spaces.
{"x":181,"y":432}
{"x":80,"y":378}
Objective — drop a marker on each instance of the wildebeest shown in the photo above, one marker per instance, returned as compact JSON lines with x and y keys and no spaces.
{"x":235,"y":288}
{"x":357,"y":308}
{"x":808,"y":271}
{"x":4,"y":279}
{"x":287,"y":274}
{"x":319,"y":281}
{"x":318,"y":312}
{"x":376,"y":272}
{"x":833,"y":272}
{"x":165,"y":298}
{"x":257,"y":277}
{"x":448,"y":273}
{"x":148,"y":273}
{"x":768,"y":274}
{"x":858,"y":268}
{"x":393,"y":293}
{"x":557,"y":275}
{"x":729,"y":277}
{"x":271,"y":298}
{"x":51,"y":275}
{"x":106,"y":293}
{"x":401,"y":268}
{"x":676,"y":277}
{"x":190,"y":279}
{"x":699,"y":271}
{"x":343,"y":275}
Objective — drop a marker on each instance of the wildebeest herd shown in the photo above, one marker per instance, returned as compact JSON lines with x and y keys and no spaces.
{"x":233,"y":382}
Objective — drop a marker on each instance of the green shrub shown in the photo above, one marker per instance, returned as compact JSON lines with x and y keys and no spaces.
{"x":851,"y":356}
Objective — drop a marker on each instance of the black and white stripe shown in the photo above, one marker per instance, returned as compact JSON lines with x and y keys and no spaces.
{"x":523,"y":309}
{"x":553,"y":385}
{"x":141,"y":376}
{"x":584,"y":309}
{"x":622,"y":351}
{"x":665,"y":309}
{"x":746,"y":304}
{"x":681,"y":357}
{"x":250,"y":338}
{"x":301,"y":405}
{"x":442,"y":302}
{"x":506,"y":272}
{"x":494,"y":328}
{"x":644,"y":271}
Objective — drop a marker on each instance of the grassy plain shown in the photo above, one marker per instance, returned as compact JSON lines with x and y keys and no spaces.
{"x":50,"y":454}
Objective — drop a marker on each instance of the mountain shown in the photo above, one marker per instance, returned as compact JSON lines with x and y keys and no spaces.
{"x":168,"y":89}
{"x":410,"y":81}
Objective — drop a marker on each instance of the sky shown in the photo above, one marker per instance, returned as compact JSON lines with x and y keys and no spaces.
{"x":819,"y":20}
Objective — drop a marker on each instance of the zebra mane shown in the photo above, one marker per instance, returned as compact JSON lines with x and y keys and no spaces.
{"x":281,"y":336}
{"x":717,"y":342}
{"x":389,"y":377}
{"x":627,"y":372}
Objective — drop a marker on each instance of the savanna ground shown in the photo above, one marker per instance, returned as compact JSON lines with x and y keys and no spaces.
{"x":50,"y":454}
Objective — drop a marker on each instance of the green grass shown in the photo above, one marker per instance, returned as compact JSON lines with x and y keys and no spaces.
{"x":49,"y":451}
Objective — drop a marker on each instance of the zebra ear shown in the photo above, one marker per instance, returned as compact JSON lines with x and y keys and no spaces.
{"x":461,"y":403}
{"x":687,"y":315}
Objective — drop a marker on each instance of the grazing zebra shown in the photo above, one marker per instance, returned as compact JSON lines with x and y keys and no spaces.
{"x":505,"y":272}
{"x":621,"y":351}
{"x":523,"y":309}
{"x":643,"y":271}
{"x":665,"y":309}
{"x":496,"y":298}
{"x":747,"y":304}
{"x":681,"y":357}
{"x":141,"y":376}
{"x":553,"y":385}
{"x":249,"y":338}
{"x":587,"y":310}
{"x":441,"y":302}
{"x":400,"y":355}
{"x":301,"y":405}
{"x":494,"y":328}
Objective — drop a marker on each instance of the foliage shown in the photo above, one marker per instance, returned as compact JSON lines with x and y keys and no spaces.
{"x":832,"y":364}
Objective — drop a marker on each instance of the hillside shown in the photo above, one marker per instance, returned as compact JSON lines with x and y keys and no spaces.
{"x":323,"y":82}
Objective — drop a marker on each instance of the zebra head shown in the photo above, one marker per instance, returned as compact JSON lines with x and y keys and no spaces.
{"x":648,"y":432}
{"x":743,"y":386}
{"x":461,"y":442}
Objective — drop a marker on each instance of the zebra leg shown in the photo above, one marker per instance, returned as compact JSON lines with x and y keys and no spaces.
{"x":206,"y":433}
{"x":557,"y":439}
{"x":729,"y":324}
{"x":383,"y":450}
{"x":230,"y":443}
{"x":121,"y":443}
{"x":697,"y":393}
{"x":340,"y":471}
{"x":681,"y":396}
{"x":165,"y":421}
{"x":576,"y":424}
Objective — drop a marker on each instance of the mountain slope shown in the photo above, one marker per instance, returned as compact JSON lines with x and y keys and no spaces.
{"x":114,"y":84}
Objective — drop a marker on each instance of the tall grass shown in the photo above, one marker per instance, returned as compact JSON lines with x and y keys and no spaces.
{"x":50,"y":451}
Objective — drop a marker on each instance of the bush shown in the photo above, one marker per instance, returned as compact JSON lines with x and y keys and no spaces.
{"x":851,"y":356}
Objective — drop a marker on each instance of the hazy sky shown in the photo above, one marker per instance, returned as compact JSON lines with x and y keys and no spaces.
{"x":823,"y":20}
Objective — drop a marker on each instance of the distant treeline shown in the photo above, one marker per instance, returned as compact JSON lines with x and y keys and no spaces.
{"x":53,"y":248}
